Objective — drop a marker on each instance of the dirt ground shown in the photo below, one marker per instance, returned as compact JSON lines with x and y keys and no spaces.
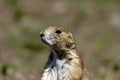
{"x":94,"y":23}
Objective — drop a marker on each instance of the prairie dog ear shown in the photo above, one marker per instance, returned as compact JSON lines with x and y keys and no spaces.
{"x":70,"y":38}
{"x":71,"y":35}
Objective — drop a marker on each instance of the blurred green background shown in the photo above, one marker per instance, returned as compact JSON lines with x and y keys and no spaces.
{"x":94,"y":23}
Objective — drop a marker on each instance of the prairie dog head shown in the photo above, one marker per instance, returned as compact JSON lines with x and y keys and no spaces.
{"x":58,"y":38}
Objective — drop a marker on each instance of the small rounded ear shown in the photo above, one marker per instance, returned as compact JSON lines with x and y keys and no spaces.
{"x":70,"y":41}
{"x":70,"y":38}
{"x":71,"y":35}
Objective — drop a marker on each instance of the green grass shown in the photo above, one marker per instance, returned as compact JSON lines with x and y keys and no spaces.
{"x":108,"y":60}
{"x":116,"y":66}
{"x":32,"y":45}
{"x":26,"y":40}
{"x":101,"y":75}
{"x":18,"y":13}
{"x":13,"y":3}
{"x":80,"y":17}
{"x":105,"y":41}
{"x":6,"y":67}
{"x":17,"y":9}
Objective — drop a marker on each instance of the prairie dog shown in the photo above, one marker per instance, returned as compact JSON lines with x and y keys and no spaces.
{"x":64,"y":62}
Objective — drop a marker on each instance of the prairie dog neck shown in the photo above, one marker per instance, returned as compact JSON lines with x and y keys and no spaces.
{"x":65,"y":54}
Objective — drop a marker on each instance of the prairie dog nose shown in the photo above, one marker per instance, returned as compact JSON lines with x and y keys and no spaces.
{"x":42,"y":34}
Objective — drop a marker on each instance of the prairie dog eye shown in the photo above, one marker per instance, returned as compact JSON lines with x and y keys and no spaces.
{"x":58,"y":31}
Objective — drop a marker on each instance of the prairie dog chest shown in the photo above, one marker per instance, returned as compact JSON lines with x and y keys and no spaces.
{"x":56,"y":71}
{"x":59,"y":63}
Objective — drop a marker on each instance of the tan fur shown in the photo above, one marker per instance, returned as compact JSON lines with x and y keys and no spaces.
{"x":65,"y":62}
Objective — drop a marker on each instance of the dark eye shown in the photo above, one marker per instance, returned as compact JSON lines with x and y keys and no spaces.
{"x":58,"y":32}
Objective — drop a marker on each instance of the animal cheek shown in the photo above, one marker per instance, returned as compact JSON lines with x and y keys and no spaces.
{"x":58,"y":39}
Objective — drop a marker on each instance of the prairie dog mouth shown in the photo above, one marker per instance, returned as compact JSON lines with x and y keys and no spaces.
{"x":45,"y":39}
